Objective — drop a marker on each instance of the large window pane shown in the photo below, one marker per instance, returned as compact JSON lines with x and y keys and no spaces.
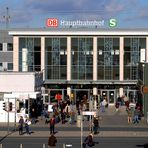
{"x":56,"y":58}
{"x":33,"y":48}
{"x":108,"y":58}
{"x":82,"y":58}
{"x":132,"y":52}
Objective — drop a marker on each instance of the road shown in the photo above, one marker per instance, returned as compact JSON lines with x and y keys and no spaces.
{"x":107,"y":142}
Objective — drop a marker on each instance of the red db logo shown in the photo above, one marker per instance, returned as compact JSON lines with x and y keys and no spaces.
{"x":52,"y":22}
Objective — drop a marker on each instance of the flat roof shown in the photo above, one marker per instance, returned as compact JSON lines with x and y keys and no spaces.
{"x":78,"y":31}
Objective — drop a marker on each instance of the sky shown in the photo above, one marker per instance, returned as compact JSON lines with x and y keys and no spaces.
{"x":34,"y":13}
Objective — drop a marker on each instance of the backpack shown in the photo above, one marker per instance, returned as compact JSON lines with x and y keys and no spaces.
{"x":90,"y":141}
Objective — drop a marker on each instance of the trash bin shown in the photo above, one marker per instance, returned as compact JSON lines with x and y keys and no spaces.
{"x":79,"y":119}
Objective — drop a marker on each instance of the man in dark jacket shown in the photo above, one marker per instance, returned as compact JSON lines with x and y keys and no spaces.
{"x":52,"y":141}
{"x":95,"y":125}
{"x":21,"y":123}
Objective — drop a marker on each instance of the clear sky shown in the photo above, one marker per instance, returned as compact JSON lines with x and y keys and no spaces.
{"x":33,"y":13}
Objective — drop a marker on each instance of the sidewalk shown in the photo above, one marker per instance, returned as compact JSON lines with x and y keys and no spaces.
{"x":110,"y":119}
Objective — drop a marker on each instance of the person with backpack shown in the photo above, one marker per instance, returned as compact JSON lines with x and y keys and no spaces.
{"x":52,"y":141}
{"x":89,"y":141}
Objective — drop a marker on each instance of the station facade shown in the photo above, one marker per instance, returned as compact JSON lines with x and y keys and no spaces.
{"x":83,"y":61}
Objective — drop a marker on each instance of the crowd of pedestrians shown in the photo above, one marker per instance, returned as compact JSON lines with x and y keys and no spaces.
{"x":66,"y":112}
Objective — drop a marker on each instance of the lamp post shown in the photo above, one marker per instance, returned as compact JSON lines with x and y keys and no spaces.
{"x":7,"y":17}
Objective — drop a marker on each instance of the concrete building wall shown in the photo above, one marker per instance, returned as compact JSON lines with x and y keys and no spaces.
{"x":6,"y":57}
{"x":17,"y":82}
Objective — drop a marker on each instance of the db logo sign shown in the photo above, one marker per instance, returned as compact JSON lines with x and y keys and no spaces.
{"x":52,"y":22}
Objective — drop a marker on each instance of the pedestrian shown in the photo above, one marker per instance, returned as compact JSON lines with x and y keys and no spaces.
{"x":67,"y":110}
{"x":129,"y":115}
{"x":95,"y":125}
{"x":88,"y":141}
{"x":136,"y":116}
{"x":52,"y":124}
{"x":102,"y":105}
{"x":20,"y":126}
{"x":117,"y":106}
{"x":52,"y":141}
{"x":33,"y":116}
{"x":27,"y":126}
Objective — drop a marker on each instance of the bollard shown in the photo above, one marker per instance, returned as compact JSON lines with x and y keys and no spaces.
{"x":21,"y":146}
{"x":79,"y":118}
{"x":43,"y":145}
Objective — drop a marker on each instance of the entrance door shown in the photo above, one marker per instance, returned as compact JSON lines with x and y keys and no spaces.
{"x":132,"y":95}
{"x":81,"y":93}
{"x":110,"y":96}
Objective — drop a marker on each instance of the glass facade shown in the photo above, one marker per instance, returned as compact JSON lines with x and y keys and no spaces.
{"x":132,"y":51}
{"x":108,"y":58}
{"x":56,"y":58}
{"x":82,"y":58}
{"x":33,"y":46}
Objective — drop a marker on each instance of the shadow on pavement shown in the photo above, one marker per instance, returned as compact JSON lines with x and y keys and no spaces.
{"x":144,"y":145}
{"x":5,"y":136}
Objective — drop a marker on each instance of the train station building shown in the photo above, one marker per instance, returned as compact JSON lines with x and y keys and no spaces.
{"x":81,"y":61}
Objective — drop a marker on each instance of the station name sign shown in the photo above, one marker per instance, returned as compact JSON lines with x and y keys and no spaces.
{"x":54,"y":22}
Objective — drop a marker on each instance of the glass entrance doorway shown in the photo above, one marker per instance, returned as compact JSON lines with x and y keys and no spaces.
{"x":79,"y":94}
{"x":132,"y":95}
{"x":109,"y":95}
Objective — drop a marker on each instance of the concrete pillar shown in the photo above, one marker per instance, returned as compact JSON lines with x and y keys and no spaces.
{"x":121,"y":66}
{"x":15,"y":53}
{"x":95,"y":58}
{"x":68,"y":64}
{"x":43,"y":56}
{"x":95,"y":91}
{"x":68,"y":58}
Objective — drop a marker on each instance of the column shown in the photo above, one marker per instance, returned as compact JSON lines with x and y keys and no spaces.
{"x":15,"y":53}
{"x":68,"y":64}
{"x":95,"y":64}
{"x":43,"y":56}
{"x":121,"y":71}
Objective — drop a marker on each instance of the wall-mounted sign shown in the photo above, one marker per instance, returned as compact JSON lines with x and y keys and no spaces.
{"x":54,"y":22}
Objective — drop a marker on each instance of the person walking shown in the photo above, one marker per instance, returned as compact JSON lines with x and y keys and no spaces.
{"x":129,"y":115}
{"x":52,"y":124}
{"x":27,"y":126}
{"x":20,"y":126}
{"x":136,"y":116}
{"x":89,"y":141}
{"x":52,"y":141}
{"x":95,"y":125}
